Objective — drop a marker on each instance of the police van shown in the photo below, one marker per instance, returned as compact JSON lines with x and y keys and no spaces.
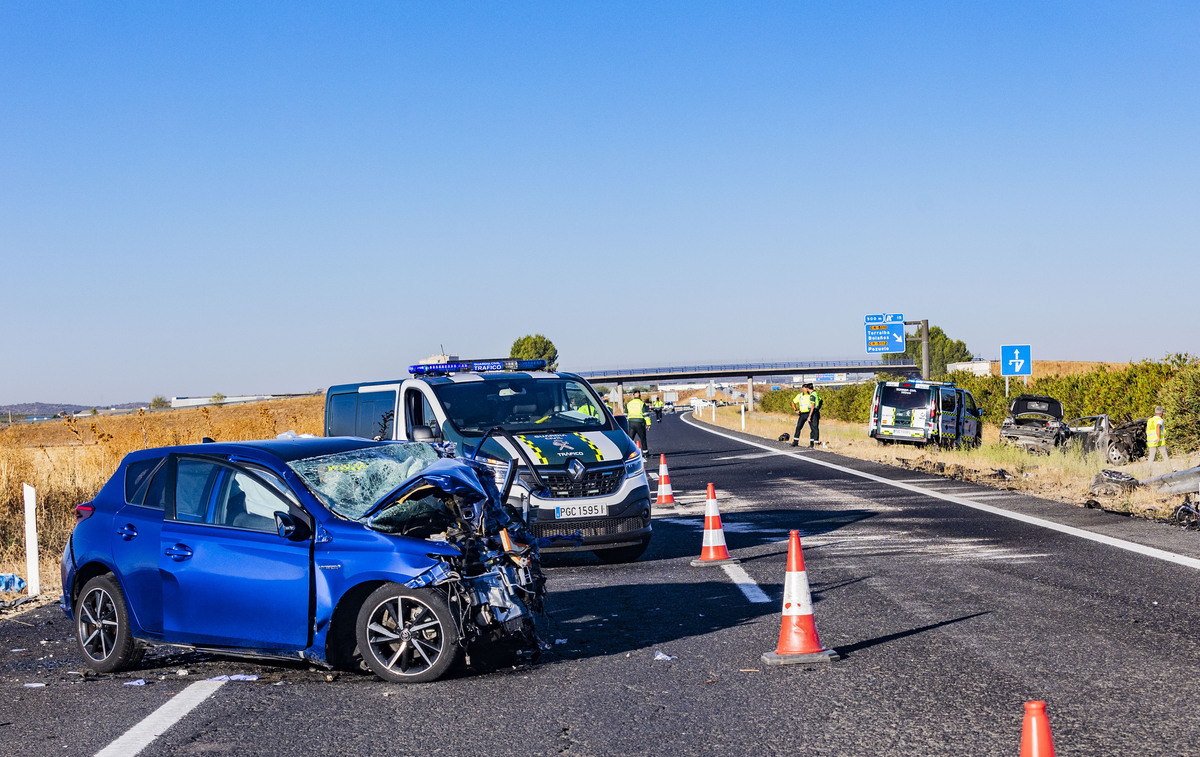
{"x":925,"y":412}
{"x":580,"y":478}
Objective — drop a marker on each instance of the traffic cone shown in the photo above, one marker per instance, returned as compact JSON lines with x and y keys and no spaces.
{"x":712,"y":550}
{"x":1035,"y":733}
{"x":798,"y":640}
{"x":665,"y":495}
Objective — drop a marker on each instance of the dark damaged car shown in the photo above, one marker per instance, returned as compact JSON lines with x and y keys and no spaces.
{"x":1035,"y":424}
{"x":1117,"y":442}
{"x":320,"y":550}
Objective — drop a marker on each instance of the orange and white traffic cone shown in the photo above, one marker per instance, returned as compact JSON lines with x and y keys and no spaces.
{"x":665,"y":495}
{"x":798,"y":640}
{"x":1035,"y":732}
{"x":712,"y":550}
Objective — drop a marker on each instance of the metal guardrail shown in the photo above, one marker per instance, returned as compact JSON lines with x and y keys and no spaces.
{"x":752,"y":369}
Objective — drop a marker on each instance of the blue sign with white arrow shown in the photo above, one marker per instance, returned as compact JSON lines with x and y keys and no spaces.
{"x":885,"y":332}
{"x":1016,"y":360}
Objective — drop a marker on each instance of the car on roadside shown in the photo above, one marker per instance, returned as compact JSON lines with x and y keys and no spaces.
{"x":1035,"y":424}
{"x":303,"y":549}
{"x":1118,"y":443}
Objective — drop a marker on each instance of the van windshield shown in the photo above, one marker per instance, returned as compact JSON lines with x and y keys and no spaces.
{"x":521,"y":403}
{"x":905,"y":397}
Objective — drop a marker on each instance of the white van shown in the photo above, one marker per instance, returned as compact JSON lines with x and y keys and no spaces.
{"x":924,"y":412}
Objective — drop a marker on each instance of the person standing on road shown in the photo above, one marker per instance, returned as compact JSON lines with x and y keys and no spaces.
{"x":814,"y":416}
{"x":1156,"y":435}
{"x":802,"y":402}
{"x":635,"y":412}
{"x":658,"y":408}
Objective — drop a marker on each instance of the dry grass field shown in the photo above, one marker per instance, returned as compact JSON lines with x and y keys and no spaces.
{"x":68,"y":461}
{"x":1064,"y":475}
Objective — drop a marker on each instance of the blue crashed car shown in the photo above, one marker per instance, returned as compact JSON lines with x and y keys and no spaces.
{"x":302,"y":548}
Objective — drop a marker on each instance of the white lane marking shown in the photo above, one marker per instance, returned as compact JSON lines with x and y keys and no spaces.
{"x":156,"y":723}
{"x":1158,"y":554}
{"x":743,"y":581}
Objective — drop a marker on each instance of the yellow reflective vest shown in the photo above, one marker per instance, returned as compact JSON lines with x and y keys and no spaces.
{"x":803,"y":402}
{"x":636,"y":410}
{"x":1156,"y":435}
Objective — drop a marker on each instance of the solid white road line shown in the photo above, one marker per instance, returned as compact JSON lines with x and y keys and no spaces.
{"x":156,"y":723}
{"x":743,"y":581}
{"x":1158,"y":554}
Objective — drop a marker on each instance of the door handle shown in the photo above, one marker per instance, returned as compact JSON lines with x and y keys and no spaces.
{"x":179,"y":552}
{"x":127,"y":531}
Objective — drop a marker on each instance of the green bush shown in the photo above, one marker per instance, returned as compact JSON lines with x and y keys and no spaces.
{"x":1131,"y":392}
{"x":1180,"y":399}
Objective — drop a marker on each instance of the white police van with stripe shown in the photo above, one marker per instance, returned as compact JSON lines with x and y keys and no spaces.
{"x":580,"y":477}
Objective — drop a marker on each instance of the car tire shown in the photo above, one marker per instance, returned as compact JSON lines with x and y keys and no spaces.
{"x":407,"y":635}
{"x":619,"y":555}
{"x":1184,"y":517}
{"x":102,"y":627}
{"x":1117,"y":454}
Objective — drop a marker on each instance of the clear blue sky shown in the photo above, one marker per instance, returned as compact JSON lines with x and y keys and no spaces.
{"x":266,"y":197}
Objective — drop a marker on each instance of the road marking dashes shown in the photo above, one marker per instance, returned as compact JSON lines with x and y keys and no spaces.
{"x":156,"y":723}
{"x":1158,"y":554}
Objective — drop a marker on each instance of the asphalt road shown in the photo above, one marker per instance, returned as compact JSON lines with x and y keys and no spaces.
{"x":947,"y":619}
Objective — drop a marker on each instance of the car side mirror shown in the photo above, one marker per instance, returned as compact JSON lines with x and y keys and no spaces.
{"x":285,"y":524}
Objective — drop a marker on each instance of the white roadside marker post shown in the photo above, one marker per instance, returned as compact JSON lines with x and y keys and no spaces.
{"x":31,"y":542}
{"x":743,"y":417}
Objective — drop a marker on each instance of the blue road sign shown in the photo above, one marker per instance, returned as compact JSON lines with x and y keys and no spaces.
{"x":885,"y":337}
{"x":894,"y":318}
{"x":1015,"y":360}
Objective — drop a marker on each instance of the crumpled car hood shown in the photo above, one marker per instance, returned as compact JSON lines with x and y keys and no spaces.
{"x":1031,"y":404}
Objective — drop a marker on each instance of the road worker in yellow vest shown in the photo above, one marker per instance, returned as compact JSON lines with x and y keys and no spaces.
{"x":1156,"y":435}
{"x":808,"y":404}
{"x":635,"y":413}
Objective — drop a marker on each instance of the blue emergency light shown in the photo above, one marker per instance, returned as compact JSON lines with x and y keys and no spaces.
{"x":477,"y":366}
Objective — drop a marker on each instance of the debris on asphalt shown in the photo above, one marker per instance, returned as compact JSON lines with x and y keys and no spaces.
{"x":561,"y":641}
{"x":749,"y":670}
{"x":1113,"y":483}
{"x":658,"y":655}
{"x":15,"y":603}
{"x":34,"y":685}
{"x":138,"y":682}
{"x":181,"y":672}
{"x":711,"y":680}
{"x":235,"y":677}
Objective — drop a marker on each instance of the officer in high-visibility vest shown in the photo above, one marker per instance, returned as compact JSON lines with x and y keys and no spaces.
{"x":658,"y":408}
{"x":814,"y":416}
{"x":803,"y":403}
{"x":635,"y":413}
{"x":1156,"y":435}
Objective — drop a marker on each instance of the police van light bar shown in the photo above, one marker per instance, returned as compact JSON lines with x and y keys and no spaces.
{"x":477,"y":366}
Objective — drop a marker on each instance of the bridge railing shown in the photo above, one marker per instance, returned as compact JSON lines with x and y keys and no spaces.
{"x":748,"y":368}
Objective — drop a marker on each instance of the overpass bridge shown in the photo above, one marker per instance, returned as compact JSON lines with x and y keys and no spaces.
{"x":748,"y":371}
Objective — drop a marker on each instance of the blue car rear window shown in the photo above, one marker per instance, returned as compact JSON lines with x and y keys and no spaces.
{"x":136,"y":476}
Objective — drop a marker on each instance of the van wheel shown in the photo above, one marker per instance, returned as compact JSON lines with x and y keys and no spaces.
{"x":622,"y":554}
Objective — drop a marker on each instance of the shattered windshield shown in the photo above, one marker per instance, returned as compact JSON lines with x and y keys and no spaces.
{"x":521,"y":403}
{"x":350,"y":482}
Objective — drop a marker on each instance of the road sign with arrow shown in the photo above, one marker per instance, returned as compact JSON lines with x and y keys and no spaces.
{"x":885,"y":332}
{"x":1015,"y":360}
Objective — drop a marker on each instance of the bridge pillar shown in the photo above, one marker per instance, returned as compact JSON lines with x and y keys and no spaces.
{"x":750,"y":394}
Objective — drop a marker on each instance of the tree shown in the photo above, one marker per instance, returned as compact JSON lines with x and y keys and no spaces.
{"x":159,"y":402}
{"x":942,"y":351}
{"x":217,"y":399}
{"x":535,"y":347}
{"x":94,"y":411}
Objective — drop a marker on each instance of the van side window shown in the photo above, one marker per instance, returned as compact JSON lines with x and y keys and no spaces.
{"x":418,"y":411}
{"x":376,"y":413}
{"x":948,"y":403}
{"x":343,"y":411}
{"x":970,"y":403}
